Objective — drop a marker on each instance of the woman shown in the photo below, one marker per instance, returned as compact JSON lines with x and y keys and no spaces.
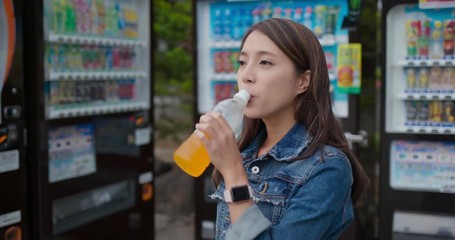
{"x":295,"y":177}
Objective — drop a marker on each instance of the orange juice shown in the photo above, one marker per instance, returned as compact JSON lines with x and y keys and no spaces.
{"x":192,"y":157}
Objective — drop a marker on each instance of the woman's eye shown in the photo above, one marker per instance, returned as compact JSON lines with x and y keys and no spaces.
{"x":265,"y":62}
{"x":240,"y":62}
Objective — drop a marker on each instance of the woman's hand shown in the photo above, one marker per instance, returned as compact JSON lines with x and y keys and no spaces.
{"x":219,"y":141}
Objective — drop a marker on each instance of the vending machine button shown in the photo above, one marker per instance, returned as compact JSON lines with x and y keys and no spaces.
{"x":12,"y":112}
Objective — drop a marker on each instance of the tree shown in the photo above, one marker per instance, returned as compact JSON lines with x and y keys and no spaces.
{"x":173,"y":65}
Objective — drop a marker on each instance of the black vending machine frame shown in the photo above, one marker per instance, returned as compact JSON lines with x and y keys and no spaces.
{"x":14,"y":183}
{"x":391,"y":200}
{"x":133,"y":222}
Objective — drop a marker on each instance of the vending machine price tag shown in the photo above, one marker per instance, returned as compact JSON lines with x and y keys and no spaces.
{"x":9,"y":161}
{"x":142,"y":136}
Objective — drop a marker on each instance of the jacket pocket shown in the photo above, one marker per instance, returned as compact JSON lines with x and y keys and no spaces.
{"x":271,"y":195}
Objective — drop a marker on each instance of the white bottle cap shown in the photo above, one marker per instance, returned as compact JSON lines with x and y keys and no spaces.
{"x":242,"y":97}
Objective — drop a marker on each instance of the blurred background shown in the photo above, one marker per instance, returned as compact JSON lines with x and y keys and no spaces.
{"x":96,"y":96}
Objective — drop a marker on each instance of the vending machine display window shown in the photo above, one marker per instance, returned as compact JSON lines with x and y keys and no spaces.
{"x":422,"y":226}
{"x":420,"y":89}
{"x":422,"y":166}
{"x":78,"y":209}
{"x":222,"y":24}
{"x":71,"y":152}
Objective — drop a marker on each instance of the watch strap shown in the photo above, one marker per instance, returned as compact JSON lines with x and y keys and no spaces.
{"x":228,"y":195}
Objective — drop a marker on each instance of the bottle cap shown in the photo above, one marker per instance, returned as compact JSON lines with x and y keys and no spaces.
{"x":242,"y":97}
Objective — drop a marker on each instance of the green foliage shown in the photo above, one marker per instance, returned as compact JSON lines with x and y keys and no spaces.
{"x":173,"y":73}
{"x":173,"y":21}
{"x":173,"y":68}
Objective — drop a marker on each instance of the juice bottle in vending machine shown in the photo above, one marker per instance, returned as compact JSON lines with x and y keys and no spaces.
{"x":307,"y":17}
{"x":449,"y":38}
{"x":435,"y":113}
{"x":256,"y":15}
{"x":424,"y":38}
{"x":423,"y":113}
{"x":449,"y":113}
{"x":319,"y":20}
{"x":298,"y":15}
{"x":436,"y":50}
{"x":422,"y":83}
{"x":435,"y":80}
{"x":287,"y":13}
{"x":217,"y":25}
{"x":410,"y":79}
{"x":331,"y":18}
{"x":411,"y":39}
{"x":276,"y":12}
{"x":411,"y":113}
{"x":227,"y":24}
{"x":58,"y":18}
{"x":448,"y":79}
{"x":70,"y":16}
{"x":218,"y":61}
{"x":236,"y":24}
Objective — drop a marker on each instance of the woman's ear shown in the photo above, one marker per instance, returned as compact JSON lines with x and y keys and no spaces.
{"x":304,"y":82}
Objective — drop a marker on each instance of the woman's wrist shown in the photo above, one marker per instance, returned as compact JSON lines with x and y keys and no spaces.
{"x":235,"y":176}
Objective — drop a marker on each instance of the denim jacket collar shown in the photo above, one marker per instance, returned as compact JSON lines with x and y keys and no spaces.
{"x":287,"y":149}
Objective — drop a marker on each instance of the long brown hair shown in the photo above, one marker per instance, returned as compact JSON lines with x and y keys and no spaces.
{"x":314,"y":107}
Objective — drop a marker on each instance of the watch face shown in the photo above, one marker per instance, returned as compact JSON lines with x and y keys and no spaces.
{"x":240,"y":193}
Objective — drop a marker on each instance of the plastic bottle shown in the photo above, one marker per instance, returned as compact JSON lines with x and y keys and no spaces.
{"x":423,"y":36}
{"x":297,"y":17}
{"x":287,"y":13}
{"x":218,"y":27}
{"x":236,"y":33}
{"x":307,"y":18}
{"x":319,"y":23}
{"x":191,"y":156}
{"x":276,"y":12}
{"x":411,"y":39}
{"x":256,"y":15}
{"x":436,"y":42}
{"x":227,"y":24}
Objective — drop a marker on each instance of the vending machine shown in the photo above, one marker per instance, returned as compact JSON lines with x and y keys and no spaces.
{"x":13,"y":168}
{"x":417,"y":167}
{"x":219,"y":26}
{"x":89,"y":118}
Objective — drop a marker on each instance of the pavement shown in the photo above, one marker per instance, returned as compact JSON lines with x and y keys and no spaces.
{"x":174,"y":200}
{"x":174,"y":227}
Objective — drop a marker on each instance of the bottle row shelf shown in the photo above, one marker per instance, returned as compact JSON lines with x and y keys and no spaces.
{"x":426,"y":130}
{"x":66,"y":111}
{"x":236,"y":44}
{"x":104,"y":75}
{"x":427,"y":63}
{"x":233,"y":76}
{"x":96,"y":41}
{"x":426,"y":96}
{"x":224,"y":76}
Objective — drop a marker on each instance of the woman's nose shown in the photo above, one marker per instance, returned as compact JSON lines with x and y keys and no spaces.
{"x":247,"y":75}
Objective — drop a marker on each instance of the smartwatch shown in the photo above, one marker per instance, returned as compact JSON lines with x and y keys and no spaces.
{"x":238,"y":194}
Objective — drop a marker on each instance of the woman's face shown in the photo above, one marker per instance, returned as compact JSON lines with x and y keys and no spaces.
{"x":270,"y":77}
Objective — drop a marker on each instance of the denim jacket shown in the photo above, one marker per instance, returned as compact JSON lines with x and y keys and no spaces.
{"x":293,"y":199}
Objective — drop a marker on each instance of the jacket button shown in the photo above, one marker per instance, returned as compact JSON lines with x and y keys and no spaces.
{"x":255,"y":169}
